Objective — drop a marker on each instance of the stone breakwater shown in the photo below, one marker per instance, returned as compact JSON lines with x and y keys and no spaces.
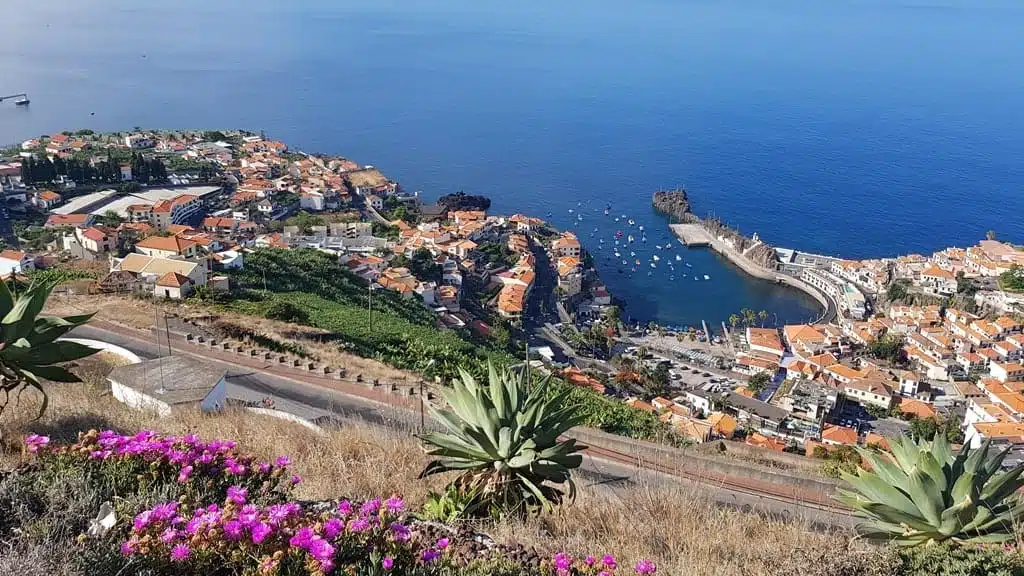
{"x":698,"y":235}
{"x":675,"y":204}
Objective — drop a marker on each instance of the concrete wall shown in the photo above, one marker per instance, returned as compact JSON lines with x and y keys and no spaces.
{"x":138,"y":400}
{"x":114,"y":349}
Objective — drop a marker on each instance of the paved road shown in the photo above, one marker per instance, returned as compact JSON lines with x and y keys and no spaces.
{"x":600,"y":473}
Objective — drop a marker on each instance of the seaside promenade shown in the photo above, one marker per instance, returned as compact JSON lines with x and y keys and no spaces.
{"x":695,"y":236}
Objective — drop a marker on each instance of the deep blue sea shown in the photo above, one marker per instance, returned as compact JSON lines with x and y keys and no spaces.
{"x":850,"y":127}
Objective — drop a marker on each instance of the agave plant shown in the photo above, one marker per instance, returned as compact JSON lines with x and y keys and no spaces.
{"x":926,"y":494}
{"x":29,"y":349}
{"x":504,"y":438}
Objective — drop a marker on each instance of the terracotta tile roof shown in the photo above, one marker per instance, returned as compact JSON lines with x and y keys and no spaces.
{"x":67,"y":219}
{"x":16,"y":255}
{"x":917,"y":408}
{"x":839,"y":435}
{"x":173,"y":280}
{"x":764,"y":337}
{"x":174,"y":244}
{"x":93,"y":234}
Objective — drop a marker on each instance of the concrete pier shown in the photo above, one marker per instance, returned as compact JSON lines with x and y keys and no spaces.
{"x":693,"y":235}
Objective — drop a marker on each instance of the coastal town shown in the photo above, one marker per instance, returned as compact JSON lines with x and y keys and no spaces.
{"x":904,"y":345}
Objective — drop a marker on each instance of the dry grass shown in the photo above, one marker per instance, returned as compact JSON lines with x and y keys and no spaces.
{"x":680,"y":529}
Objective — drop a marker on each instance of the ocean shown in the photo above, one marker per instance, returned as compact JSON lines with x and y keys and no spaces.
{"x":858,"y":128}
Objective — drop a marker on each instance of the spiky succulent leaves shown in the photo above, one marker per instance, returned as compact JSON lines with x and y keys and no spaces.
{"x":29,"y":345}
{"x":924,"y":494}
{"x":504,"y":438}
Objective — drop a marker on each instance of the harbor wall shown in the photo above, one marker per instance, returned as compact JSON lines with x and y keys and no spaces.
{"x":695,"y":235}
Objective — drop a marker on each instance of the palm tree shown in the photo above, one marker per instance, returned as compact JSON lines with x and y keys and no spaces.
{"x":748,"y":316}
{"x":763,"y":315}
{"x":733,"y":320}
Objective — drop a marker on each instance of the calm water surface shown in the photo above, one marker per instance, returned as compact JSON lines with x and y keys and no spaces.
{"x":852,"y":127}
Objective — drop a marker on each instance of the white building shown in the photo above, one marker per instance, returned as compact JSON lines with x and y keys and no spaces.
{"x":15,"y":262}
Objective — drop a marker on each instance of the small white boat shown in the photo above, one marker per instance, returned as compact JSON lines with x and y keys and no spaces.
{"x":625,"y":262}
{"x":658,"y":246}
{"x":616,"y":219}
{"x":688,"y":265}
{"x":649,"y":273}
{"x":631,"y":222}
{"x":633,"y":254}
{"x":656,"y":258}
{"x":653,"y":265}
{"x":601,"y":240}
{"x":678,"y":258}
{"x":606,"y":211}
{"x":671,"y":277}
{"x":617,"y":255}
{"x":644,"y":239}
{"x":629,"y":238}
{"x":571,"y":210}
{"x":641,"y":228}
{"x":706,"y":277}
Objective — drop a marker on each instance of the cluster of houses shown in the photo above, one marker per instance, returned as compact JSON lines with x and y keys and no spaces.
{"x":955,"y":360}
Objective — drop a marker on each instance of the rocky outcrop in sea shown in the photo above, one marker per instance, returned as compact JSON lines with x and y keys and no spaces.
{"x":675,"y":204}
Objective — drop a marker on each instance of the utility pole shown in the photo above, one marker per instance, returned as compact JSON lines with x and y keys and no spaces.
{"x":369,"y":306}
{"x":167,"y":329}
{"x":423,"y":418}
{"x":527,"y":344}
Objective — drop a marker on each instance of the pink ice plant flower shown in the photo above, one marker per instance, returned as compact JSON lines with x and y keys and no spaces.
{"x":180,"y":553}
{"x":395,"y":505}
{"x":237,"y":495}
{"x":645,"y":567}
{"x":34,"y":442}
{"x":608,"y":561}
{"x":388,"y":563}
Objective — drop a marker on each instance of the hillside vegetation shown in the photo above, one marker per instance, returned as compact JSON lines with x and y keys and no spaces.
{"x":403,"y":332}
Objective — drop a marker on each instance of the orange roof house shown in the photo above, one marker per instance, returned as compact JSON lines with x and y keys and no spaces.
{"x":722,"y":424}
{"x":839,"y":435}
{"x":916,"y":408}
{"x":774,"y":444}
{"x":175,"y":244}
{"x":173,"y":280}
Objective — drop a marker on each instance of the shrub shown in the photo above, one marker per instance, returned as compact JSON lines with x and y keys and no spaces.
{"x":952,"y":561}
{"x":186,"y":507}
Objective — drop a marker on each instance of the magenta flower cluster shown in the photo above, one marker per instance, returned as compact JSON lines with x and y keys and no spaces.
{"x":181,"y":458}
{"x":563,"y":564}
{"x":280,"y":533}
